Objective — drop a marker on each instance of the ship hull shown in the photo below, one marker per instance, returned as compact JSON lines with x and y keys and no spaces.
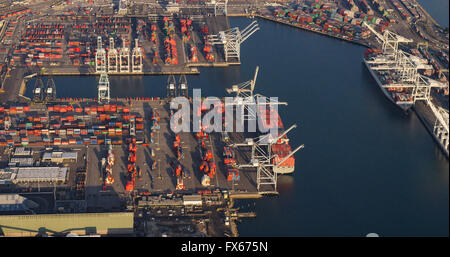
{"x":284,"y":170}
{"x":405,"y":107}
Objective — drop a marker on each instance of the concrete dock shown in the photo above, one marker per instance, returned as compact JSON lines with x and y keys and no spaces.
{"x":428,"y":119}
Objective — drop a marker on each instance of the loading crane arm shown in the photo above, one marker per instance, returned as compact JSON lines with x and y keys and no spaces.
{"x":289,"y":155}
{"x":270,"y":140}
{"x":388,"y":35}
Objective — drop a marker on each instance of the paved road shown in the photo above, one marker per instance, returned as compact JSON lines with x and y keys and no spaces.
{"x":12,"y":85}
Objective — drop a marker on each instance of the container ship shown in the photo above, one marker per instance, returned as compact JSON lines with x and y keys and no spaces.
{"x":400,"y":96}
{"x":281,"y":148}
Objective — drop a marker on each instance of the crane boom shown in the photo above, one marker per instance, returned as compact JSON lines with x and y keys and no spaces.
{"x":253,"y":82}
{"x":438,"y":115}
{"x":387,"y":34}
{"x":289,"y":155}
{"x":280,"y":136}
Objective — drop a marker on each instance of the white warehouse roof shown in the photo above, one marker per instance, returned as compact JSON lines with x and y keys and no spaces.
{"x":41,"y":174}
{"x":60,"y":155}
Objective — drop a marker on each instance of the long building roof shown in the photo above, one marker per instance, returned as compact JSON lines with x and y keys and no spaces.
{"x":39,"y":173}
{"x":60,"y":155}
{"x":101,"y":223}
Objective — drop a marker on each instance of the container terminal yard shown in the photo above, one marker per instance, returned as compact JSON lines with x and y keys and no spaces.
{"x":117,"y":159}
{"x":108,"y":155}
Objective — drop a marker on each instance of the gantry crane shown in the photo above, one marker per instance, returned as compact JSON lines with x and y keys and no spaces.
{"x":103,"y":89}
{"x":262,"y":159}
{"x":183,"y":86}
{"x":232,"y":39}
{"x":50,"y":90}
{"x":261,"y":147}
{"x":421,"y":87}
{"x":112,"y":57}
{"x":100,"y":57}
{"x":441,"y":125}
{"x":124,"y":57}
{"x":136,"y":58}
{"x":38,"y":90}
{"x":246,"y":98}
{"x":405,"y":64}
{"x":171,"y":87}
{"x":390,"y":41}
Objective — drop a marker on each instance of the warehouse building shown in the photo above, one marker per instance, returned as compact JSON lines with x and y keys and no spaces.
{"x":60,"y":157}
{"x":21,"y":151}
{"x":118,"y":223}
{"x":21,"y":162}
{"x":40,"y":174}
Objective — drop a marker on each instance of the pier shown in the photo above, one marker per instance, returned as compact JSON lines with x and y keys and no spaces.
{"x":267,"y":17}
{"x":429,"y":119}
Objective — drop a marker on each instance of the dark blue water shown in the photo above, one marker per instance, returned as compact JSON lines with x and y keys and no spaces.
{"x":438,"y":9}
{"x":366,"y":166}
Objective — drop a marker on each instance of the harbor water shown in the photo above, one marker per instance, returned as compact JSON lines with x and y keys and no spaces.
{"x":366,"y":166}
{"x":438,"y":9}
